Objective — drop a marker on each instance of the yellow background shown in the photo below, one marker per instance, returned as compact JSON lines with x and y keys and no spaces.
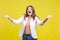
{"x":16,"y":8}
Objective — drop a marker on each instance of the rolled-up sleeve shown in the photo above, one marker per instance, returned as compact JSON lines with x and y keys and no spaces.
{"x":18,"y":20}
{"x":39,"y":21}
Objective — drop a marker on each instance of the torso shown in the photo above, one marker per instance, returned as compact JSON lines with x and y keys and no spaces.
{"x":27,"y":27}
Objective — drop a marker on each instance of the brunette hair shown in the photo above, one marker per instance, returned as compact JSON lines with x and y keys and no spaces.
{"x":33,"y":12}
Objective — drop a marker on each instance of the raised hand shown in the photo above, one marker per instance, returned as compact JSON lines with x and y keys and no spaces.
{"x":49,"y":16}
{"x":6,"y":16}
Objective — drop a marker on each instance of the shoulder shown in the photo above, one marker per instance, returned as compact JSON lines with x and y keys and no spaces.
{"x":23,"y":15}
{"x":36,"y":17}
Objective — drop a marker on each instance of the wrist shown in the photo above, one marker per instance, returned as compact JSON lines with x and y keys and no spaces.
{"x":8,"y":17}
{"x":46,"y":18}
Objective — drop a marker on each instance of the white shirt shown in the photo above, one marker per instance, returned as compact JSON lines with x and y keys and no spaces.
{"x":32,"y":25}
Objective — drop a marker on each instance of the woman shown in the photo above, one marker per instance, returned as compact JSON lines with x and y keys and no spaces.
{"x":29,"y":20}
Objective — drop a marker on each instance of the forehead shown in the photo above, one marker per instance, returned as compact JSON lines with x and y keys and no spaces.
{"x":29,"y":7}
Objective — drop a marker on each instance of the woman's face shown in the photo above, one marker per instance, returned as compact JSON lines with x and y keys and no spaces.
{"x":29,"y":11}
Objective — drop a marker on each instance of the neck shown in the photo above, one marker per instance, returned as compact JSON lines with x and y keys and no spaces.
{"x":29,"y":16}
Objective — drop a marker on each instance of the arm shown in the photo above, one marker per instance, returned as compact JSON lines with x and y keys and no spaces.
{"x":48,"y":17}
{"x":10,"y":19}
{"x":45,"y":20}
{"x":14,"y":21}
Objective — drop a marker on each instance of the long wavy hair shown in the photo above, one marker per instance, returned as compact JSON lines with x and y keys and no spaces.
{"x":33,"y":12}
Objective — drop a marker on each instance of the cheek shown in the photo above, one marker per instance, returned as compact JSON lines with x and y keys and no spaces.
{"x":30,"y":13}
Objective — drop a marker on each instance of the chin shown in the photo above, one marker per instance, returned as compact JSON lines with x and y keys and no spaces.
{"x":29,"y":14}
